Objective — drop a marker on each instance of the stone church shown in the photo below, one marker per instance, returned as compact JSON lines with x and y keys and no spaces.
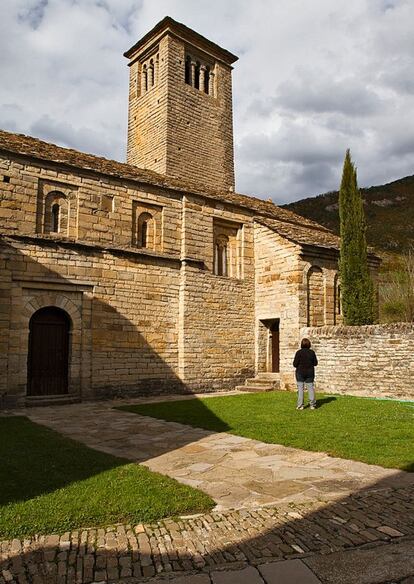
{"x":154,"y":275}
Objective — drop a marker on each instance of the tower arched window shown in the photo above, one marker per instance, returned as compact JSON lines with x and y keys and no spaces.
{"x":197,"y":76}
{"x":151,"y":74}
{"x":188,"y":70}
{"x":206,"y":87}
{"x":144,"y":78}
{"x":55,"y":217}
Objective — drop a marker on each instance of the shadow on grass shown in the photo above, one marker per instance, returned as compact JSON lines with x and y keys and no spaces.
{"x":36,"y":460}
{"x":320,"y":402}
{"x":191,"y":412}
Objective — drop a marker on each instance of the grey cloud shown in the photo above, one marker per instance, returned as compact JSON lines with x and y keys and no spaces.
{"x":10,"y":116}
{"x":80,"y":138}
{"x":348,"y":96}
{"x":33,"y":13}
{"x":310,"y":81}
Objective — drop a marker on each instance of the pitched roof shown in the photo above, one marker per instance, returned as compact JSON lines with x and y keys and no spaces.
{"x":289,"y":223}
{"x":169,"y":24}
{"x":302,"y":234}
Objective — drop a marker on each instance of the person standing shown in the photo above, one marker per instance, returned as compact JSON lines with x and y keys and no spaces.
{"x":305,"y":362}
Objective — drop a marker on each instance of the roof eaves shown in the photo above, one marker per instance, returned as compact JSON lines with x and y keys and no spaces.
{"x":169,"y":24}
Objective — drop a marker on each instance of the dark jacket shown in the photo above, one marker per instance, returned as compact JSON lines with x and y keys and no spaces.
{"x":305,"y":362}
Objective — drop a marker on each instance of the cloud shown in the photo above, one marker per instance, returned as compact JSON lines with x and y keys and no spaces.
{"x":313,"y":79}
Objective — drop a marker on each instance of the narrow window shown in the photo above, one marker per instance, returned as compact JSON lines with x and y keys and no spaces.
{"x":55,"y":218}
{"x":221,"y":267}
{"x":144,"y":79}
{"x":145,"y":231}
{"x":188,"y":70}
{"x":151,"y":74}
{"x":144,"y":234}
{"x":207,"y":80}
{"x":197,"y":76}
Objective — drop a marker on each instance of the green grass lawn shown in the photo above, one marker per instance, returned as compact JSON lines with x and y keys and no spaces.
{"x":51,"y":484}
{"x":373,"y":431}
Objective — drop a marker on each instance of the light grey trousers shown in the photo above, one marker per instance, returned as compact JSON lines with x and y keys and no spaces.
{"x":311,"y":392}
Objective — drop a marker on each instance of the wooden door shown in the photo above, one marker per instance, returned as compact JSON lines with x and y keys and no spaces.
{"x":274,"y":331}
{"x":48,"y":352}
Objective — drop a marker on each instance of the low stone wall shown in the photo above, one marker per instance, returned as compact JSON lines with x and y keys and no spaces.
{"x":373,"y":360}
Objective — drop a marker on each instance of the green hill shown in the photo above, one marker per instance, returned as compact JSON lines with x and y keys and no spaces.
{"x":389,"y":210}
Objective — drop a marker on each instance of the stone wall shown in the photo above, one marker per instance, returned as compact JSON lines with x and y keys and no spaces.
{"x":278,"y":278}
{"x":24,"y":197}
{"x":364,"y":360}
{"x":142,"y":320}
{"x":123,"y":311}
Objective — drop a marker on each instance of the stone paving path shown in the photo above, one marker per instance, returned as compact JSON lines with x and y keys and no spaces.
{"x":283,"y":516}
{"x":236,"y":472}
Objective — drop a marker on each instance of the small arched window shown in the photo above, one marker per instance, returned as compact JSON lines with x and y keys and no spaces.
{"x":145,"y":236}
{"x":188,"y":70}
{"x":197,"y":76}
{"x":144,"y":78}
{"x":56,"y":213}
{"x":206,"y":80}
{"x":55,"y":218}
{"x":151,"y":74}
{"x":221,"y":256}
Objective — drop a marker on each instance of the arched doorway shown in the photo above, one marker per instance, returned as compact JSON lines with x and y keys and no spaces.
{"x":48,"y":357}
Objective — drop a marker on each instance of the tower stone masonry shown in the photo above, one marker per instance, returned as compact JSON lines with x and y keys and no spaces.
{"x":180,"y":106}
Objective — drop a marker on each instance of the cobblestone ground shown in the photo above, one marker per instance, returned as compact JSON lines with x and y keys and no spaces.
{"x":214,"y":545}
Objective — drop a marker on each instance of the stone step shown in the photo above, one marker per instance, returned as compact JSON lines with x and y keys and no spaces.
{"x":262,"y":381}
{"x":274,"y":376}
{"x":255,"y":388}
{"x":51,"y":400}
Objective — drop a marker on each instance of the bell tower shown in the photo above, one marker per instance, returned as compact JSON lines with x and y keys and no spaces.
{"x":180,"y":106}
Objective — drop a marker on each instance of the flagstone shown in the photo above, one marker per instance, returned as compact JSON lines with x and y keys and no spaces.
{"x":235,"y":471}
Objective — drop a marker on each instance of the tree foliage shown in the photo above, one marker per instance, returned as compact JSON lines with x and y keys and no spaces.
{"x":397,"y":293}
{"x":357,"y":291}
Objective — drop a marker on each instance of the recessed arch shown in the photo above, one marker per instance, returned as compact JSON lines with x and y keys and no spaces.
{"x":48,"y":352}
{"x":145,"y":236}
{"x":221,"y":255}
{"x":315,"y":297}
{"x":56,"y":213}
{"x":337,"y":300}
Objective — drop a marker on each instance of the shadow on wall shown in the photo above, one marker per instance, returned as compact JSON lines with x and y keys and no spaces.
{"x":370,"y":517}
{"x":123,"y":348}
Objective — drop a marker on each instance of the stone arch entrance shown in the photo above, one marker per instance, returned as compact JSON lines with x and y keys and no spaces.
{"x":48,"y":356}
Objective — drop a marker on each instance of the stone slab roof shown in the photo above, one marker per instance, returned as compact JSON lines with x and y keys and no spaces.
{"x":310,"y":235}
{"x":169,"y":24}
{"x":302,"y":234}
{"x":287,"y":223}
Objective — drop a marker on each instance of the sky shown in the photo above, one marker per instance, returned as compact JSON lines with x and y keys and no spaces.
{"x":314,"y":78}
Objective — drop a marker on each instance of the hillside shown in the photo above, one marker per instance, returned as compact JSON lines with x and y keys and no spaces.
{"x":389,"y":210}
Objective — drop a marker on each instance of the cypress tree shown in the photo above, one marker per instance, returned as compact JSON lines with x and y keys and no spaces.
{"x":357,"y":291}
